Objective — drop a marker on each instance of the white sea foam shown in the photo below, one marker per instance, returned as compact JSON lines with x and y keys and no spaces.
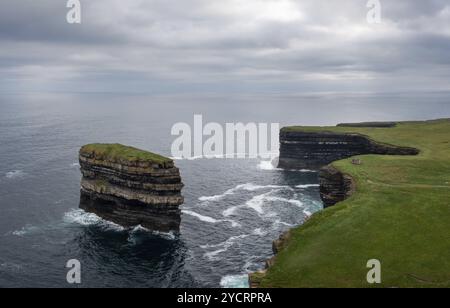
{"x":303,"y":170}
{"x":83,"y":218}
{"x":218,"y":197}
{"x":253,"y":187}
{"x":250,"y":264}
{"x":267,"y":165}
{"x":75,"y":165}
{"x":234,"y":224}
{"x":230,"y":211}
{"x":247,"y":187}
{"x":14,"y":174}
{"x":25,"y":230}
{"x":223,"y":246}
{"x":234,"y":281}
{"x":259,"y":232}
{"x":140,"y":228}
{"x":201,"y":217}
{"x":256,"y":203}
{"x":279,"y":222}
{"x":290,"y":201}
{"x":307,"y":185}
{"x":208,"y":219}
{"x":133,"y":238}
{"x":212,"y":255}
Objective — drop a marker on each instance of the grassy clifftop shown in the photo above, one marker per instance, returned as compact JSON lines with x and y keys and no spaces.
{"x":400,"y":215}
{"x":119,"y":152}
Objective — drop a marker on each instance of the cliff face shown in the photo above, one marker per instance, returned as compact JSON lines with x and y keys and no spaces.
{"x":313,"y":150}
{"x":300,"y":149}
{"x":334,"y":186}
{"x":130,"y":187}
{"x":254,"y":279}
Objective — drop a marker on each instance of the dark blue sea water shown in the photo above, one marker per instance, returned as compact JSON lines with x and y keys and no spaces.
{"x":234,"y":208}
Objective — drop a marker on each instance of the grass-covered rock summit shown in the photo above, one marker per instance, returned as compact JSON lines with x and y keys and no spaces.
{"x":398,"y":213}
{"x":130,"y":187}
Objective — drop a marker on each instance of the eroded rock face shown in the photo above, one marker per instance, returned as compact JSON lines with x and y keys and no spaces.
{"x":334,"y":186}
{"x":131,"y":192}
{"x":312,"y":150}
{"x":317,"y":150}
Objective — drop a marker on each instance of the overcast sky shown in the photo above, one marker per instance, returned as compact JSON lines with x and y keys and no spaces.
{"x":225,"y":46}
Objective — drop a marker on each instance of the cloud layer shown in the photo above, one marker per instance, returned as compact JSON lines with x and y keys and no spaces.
{"x":224,"y":46}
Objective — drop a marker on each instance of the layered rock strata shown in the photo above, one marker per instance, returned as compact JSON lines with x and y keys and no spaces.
{"x":313,"y":150}
{"x":130,"y":187}
{"x":335,"y":186}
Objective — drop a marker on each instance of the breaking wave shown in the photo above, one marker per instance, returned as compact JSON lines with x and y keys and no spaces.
{"x":208,"y":219}
{"x":135,"y":234}
{"x":246,"y":187}
{"x":234,"y":281}
{"x":307,"y":185}
{"x":257,"y":203}
{"x":200,"y":217}
{"x":25,"y":231}
{"x":83,"y":218}
{"x":268,"y":165}
{"x":223,"y":246}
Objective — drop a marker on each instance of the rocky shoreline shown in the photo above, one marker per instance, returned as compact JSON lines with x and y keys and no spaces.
{"x":130,"y":187}
{"x":318,"y":150}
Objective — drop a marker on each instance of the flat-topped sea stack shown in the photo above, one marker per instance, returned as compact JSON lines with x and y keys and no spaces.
{"x":130,"y":187}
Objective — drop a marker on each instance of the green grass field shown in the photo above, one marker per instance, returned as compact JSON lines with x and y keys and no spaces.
{"x":117,"y":152}
{"x":400,"y":215}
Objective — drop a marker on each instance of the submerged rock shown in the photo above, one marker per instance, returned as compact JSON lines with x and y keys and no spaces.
{"x":130,"y":187}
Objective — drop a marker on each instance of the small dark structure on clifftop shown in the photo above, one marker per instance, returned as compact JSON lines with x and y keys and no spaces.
{"x":130,"y":187}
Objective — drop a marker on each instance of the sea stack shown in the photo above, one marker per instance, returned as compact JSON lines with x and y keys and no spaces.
{"x":130,"y":187}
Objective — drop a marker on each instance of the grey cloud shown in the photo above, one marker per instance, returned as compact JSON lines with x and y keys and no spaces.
{"x":200,"y":45}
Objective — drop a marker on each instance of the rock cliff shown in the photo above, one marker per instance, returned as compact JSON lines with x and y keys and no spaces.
{"x":313,"y":150}
{"x":302,"y":149}
{"x":335,"y":186}
{"x":130,"y":187}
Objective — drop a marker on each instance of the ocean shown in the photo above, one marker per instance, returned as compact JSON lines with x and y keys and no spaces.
{"x":233,"y":210}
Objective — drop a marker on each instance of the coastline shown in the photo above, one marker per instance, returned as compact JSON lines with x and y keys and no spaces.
{"x":339,"y":186}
